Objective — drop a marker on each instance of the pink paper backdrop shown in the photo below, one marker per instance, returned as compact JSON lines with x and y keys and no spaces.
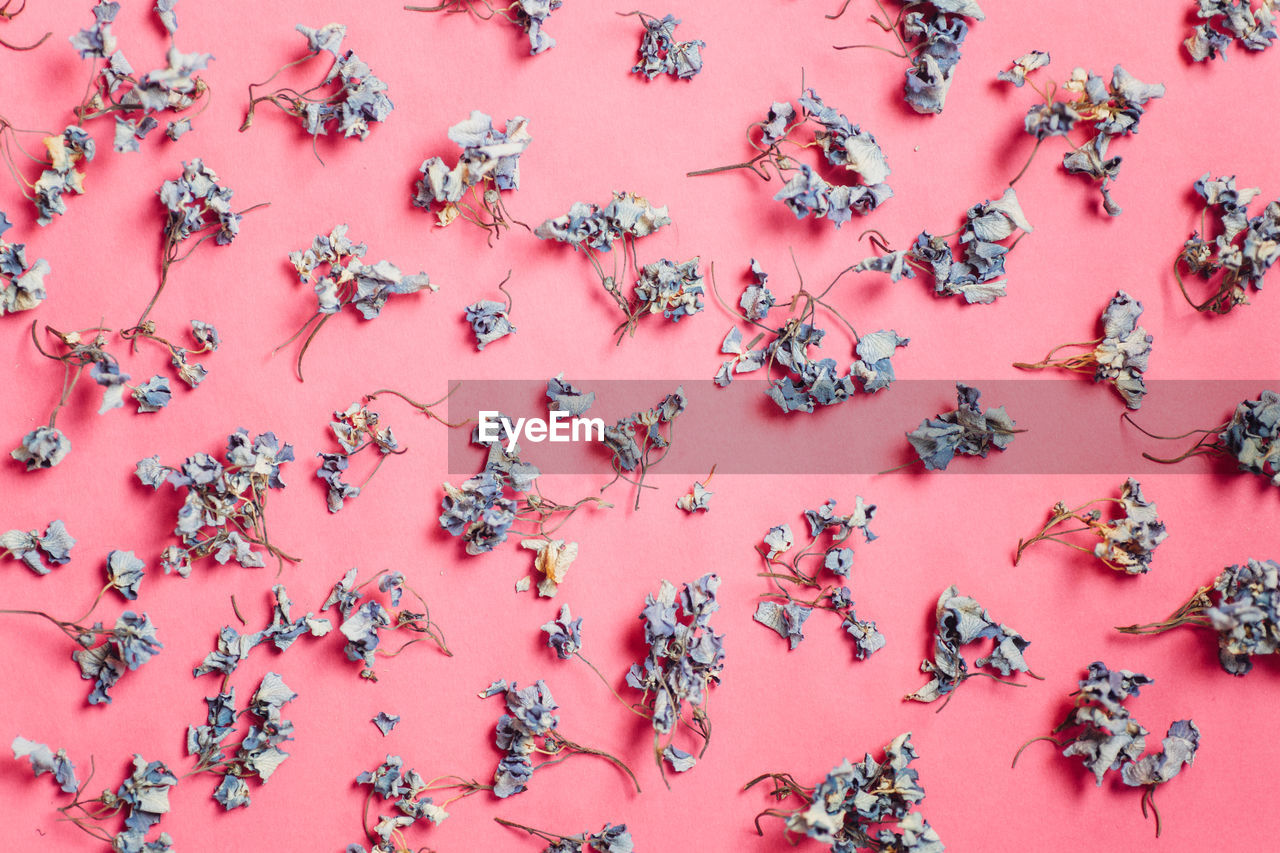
{"x":597,"y":128}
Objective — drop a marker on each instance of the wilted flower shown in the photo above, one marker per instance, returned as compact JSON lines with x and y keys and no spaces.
{"x":1128,"y":544}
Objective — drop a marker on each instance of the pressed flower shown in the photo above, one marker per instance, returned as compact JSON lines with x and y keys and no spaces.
{"x":610,"y":839}
{"x":662,"y":53}
{"x":1128,"y":543}
{"x":967,"y":430}
{"x":21,"y":282}
{"x":1225,"y":21}
{"x":365,"y":620}
{"x":472,"y":188}
{"x":1242,"y":252}
{"x":529,"y":16}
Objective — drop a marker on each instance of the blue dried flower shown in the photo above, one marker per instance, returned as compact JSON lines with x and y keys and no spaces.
{"x":45,"y":760}
{"x":967,"y":430}
{"x":124,"y":573}
{"x":43,"y":447}
{"x":489,"y":321}
{"x":661,"y":53}
{"x":564,"y":634}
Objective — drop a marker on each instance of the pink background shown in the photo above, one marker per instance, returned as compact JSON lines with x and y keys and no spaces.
{"x":597,"y":128}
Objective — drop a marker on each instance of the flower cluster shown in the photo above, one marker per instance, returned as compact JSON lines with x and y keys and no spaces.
{"x":529,"y":16}
{"x":1226,"y":21}
{"x":127,"y":646}
{"x":634,"y":439}
{"x":1128,"y":543}
{"x":390,"y":781}
{"x":355,"y":429}
{"x":1104,"y":734}
{"x":787,"y":614}
{"x":21,"y":284}
{"x":135,"y":101}
{"x":844,"y":145}
{"x":979,"y":278}
{"x":362,"y":623}
{"x":935,"y":33}
{"x":698,"y":498}
{"x":531,"y":727}
{"x":967,"y":430}
{"x":1119,"y":357}
{"x":1241,"y":263}
{"x":233,"y":647}
{"x":807,"y":382}
{"x":961,"y":621}
{"x":661,"y":53}
{"x":868,"y":805}
{"x":334,"y":269}
{"x":66,"y":151}
{"x":686,"y":657}
{"x":1114,"y":111}
{"x":488,"y":166}
{"x":223,"y":511}
{"x":1251,"y":436}
{"x":355,"y":97}
{"x":145,"y":793}
{"x":33,"y":549}
{"x":259,"y":751}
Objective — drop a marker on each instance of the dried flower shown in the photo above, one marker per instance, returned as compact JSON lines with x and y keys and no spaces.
{"x":488,"y":166}
{"x":529,"y":16}
{"x":610,"y":839}
{"x":1243,"y":251}
{"x":1128,"y":544}
{"x":967,"y":430}
{"x":21,"y":283}
{"x":1226,"y":21}
{"x":1249,"y":437}
{"x":363,"y":623}
{"x":699,"y":498}
{"x":33,"y":549}
{"x":45,"y":760}
{"x":661,"y":53}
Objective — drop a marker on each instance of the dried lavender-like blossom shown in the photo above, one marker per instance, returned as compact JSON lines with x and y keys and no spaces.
{"x":967,"y":430}
{"x":386,"y":722}
{"x":21,"y":282}
{"x":529,"y":16}
{"x":1249,"y":437}
{"x":979,"y":278}
{"x":356,"y":429}
{"x":1023,"y":65}
{"x":488,"y":166}
{"x":43,"y":447}
{"x":662,"y":53}
{"x":643,"y":439}
{"x":124,"y":573}
{"x":130,"y":644}
{"x":868,"y":805}
{"x":962,"y":620}
{"x":365,"y":620}
{"x":1240,"y":255}
{"x":564,"y":634}
{"x":686,"y":657}
{"x":551,"y":560}
{"x":1128,"y":543}
{"x":1119,"y":357}
{"x":66,"y":151}
{"x":406,"y":788}
{"x":698,"y":498}
{"x":33,"y":549}
{"x":233,"y":647}
{"x":610,"y":839}
{"x":1226,"y":21}
{"x":45,"y":760}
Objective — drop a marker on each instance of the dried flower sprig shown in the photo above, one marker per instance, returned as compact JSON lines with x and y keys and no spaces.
{"x":868,"y":805}
{"x":1128,"y":543}
{"x":1242,"y":605}
{"x":1119,"y":357}
{"x":59,"y":174}
{"x":966,"y":430}
{"x":929,"y":34}
{"x":334,"y":268}
{"x":532,"y":728}
{"x":685,"y":658}
{"x":529,"y":16}
{"x":661,"y":53}
{"x":490,"y":320}
{"x":698,"y":498}
{"x":45,"y":760}
{"x":1226,"y":21}
{"x":979,"y":278}
{"x":356,"y":429}
{"x":391,"y":781}
{"x":844,"y":145}
{"x":1102,"y":732}
{"x":223,"y":512}
{"x":672,"y":289}
{"x":488,"y":166}
{"x":962,"y":620}
{"x":126,"y":646}
{"x":784,"y":611}
{"x":257,"y":754}
{"x":1250,"y":437}
{"x":610,"y":839}
{"x":1113,"y":111}
{"x":33,"y":548}
{"x":21,"y":283}
{"x":1240,"y":262}
{"x":637,"y":442}
{"x":233,"y":647}
{"x":348,"y":100}
{"x":143,"y":795}
{"x":806,"y":382}
{"x":363,"y":622}
{"x":7,"y":15}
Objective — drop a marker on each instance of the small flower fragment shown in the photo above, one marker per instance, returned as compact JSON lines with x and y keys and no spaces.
{"x":1128,"y":543}
{"x":153,"y":395}
{"x":130,"y":644}
{"x":551,"y":560}
{"x":1119,"y":357}
{"x":564,"y":634}
{"x":1023,"y":65}
{"x":844,"y":146}
{"x":43,"y":447}
{"x":488,"y":166}
{"x":929,"y":35}
{"x":334,"y":269}
{"x":979,"y":277}
{"x":60,"y":176}
{"x":1242,"y":605}
{"x":1226,"y":21}
{"x":1113,"y":110}
{"x":146,"y":793}
{"x":21,"y":282}
{"x":33,"y":549}
{"x":685,"y":658}
{"x":786,"y":613}
{"x":1240,"y":255}
{"x":961,"y":620}
{"x":699,"y":498}
{"x":348,"y":100}
{"x":386,"y":722}
{"x":124,"y":573}
{"x":967,"y":430}
{"x":529,"y":16}
{"x":363,"y":621}
{"x":531,"y":727}
{"x":224,"y":505}
{"x":661,"y":53}
{"x":635,"y":439}
{"x":563,"y":396}
{"x":610,"y":839}
{"x":868,"y":805}
{"x":1100,"y":729}
{"x":45,"y":760}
